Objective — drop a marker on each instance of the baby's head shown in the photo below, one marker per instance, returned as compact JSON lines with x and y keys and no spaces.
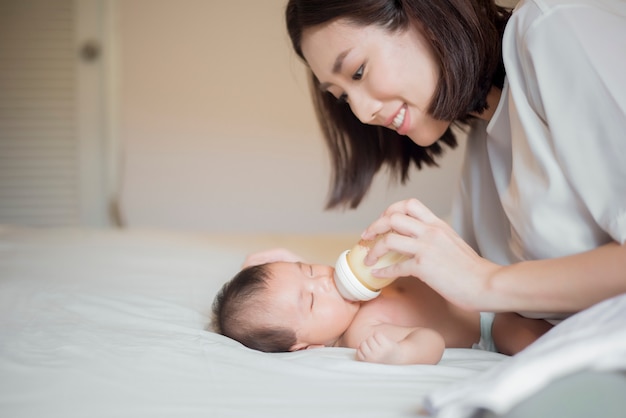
{"x":279,"y":307}
{"x":241,"y":311}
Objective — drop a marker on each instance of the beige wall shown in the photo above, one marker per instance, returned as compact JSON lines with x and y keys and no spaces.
{"x":216,"y":128}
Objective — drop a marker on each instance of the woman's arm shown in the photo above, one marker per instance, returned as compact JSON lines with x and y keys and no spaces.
{"x":566,"y":284}
{"x":445,"y":262}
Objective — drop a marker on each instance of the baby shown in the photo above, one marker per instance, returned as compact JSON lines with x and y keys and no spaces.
{"x":289,"y":306}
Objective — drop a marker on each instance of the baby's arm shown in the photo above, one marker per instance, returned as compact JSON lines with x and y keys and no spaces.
{"x":391,"y":344}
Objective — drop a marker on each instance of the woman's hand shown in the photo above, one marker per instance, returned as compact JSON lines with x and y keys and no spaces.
{"x":438,"y":256}
{"x":441,"y":259}
{"x":271,"y":256}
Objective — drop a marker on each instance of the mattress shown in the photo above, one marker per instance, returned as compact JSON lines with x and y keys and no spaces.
{"x":113,"y":323}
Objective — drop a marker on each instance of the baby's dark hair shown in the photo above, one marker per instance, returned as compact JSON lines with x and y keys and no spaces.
{"x":238,"y":312}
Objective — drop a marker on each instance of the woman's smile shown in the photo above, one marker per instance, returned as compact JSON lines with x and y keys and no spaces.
{"x":401,"y":120}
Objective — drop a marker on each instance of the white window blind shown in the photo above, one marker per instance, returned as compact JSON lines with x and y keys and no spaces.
{"x":38,"y":140}
{"x":51,"y":153}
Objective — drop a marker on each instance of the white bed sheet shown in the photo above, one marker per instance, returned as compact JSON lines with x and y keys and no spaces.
{"x":593,"y":340}
{"x":103,"y":323}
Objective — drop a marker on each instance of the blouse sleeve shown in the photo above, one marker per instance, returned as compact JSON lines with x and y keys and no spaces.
{"x":577,"y":54}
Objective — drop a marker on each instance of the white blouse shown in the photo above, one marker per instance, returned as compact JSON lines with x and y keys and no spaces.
{"x":547,"y":176}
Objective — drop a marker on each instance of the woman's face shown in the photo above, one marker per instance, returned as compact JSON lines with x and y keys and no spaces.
{"x":388,"y":79}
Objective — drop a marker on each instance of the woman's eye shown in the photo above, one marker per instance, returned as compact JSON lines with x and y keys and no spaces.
{"x":358,"y":74}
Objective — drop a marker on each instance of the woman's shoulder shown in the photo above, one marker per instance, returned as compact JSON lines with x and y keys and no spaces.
{"x":545,"y":39}
{"x":530,"y":14}
{"x":551,"y":6}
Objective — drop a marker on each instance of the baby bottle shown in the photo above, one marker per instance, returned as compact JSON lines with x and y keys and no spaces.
{"x":354,"y":279}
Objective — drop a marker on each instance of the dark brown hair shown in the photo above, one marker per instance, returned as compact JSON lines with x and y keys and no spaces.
{"x":236,"y":306}
{"x":466,"y":37}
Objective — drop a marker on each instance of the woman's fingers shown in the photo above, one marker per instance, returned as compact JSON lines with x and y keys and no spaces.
{"x":397,"y":218}
{"x":434,"y":252}
{"x":403,"y":226}
{"x":418,"y":210}
{"x":399,"y":243}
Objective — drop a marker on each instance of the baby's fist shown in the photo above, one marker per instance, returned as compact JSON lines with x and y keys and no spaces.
{"x":378,"y":348}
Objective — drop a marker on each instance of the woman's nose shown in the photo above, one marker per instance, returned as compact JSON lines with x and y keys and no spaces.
{"x":365,"y":108}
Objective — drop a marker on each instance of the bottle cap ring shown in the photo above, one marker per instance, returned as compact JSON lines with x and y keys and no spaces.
{"x":348,"y":284}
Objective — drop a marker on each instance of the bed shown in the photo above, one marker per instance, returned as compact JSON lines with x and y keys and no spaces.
{"x":113,"y":323}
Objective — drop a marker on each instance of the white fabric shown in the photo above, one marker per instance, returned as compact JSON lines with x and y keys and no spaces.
{"x":486,"y":338}
{"x":548,"y":177}
{"x":594,"y":339}
{"x":111,"y":324}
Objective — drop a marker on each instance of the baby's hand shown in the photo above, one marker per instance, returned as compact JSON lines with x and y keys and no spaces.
{"x":378,"y":348}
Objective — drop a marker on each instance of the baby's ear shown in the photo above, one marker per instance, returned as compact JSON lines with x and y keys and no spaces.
{"x":315,"y":346}
{"x":304,"y":346}
{"x":298,"y":347}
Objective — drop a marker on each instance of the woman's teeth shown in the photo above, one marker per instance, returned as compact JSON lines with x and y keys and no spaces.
{"x":397,"y":121}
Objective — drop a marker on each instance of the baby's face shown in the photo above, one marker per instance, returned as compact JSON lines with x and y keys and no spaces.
{"x":304,"y":298}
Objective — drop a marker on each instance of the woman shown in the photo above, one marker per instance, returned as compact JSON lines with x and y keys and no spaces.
{"x":540,"y":218}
